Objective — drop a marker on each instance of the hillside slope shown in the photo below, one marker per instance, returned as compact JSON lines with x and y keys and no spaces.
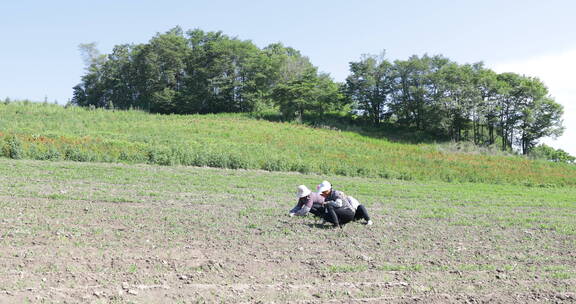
{"x":51,"y":132}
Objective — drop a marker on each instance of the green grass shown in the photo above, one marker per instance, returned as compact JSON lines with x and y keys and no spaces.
{"x":400,"y":267}
{"x":346,"y":268}
{"x":454,"y":204}
{"x":235,"y":141}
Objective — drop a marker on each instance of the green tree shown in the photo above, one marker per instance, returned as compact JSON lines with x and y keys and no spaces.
{"x":91,"y":90}
{"x":159,"y":70}
{"x":509,"y":98}
{"x":370,"y":86}
{"x":486,"y":112}
{"x":540,"y":117}
{"x":459,"y":98}
{"x":548,"y":153}
{"x":526,"y":112}
{"x":417,"y":92}
{"x":91,"y":55}
{"x":120,"y":78}
{"x":225,"y":74}
{"x":308,"y":93}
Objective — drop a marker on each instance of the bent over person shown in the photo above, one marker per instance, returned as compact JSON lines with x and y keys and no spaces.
{"x":340,"y":208}
{"x":308,"y":201}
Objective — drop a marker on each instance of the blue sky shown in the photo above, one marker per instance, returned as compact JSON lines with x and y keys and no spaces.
{"x":39,"y":39}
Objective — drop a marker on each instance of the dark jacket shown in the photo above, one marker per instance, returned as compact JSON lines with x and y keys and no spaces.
{"x":338,"y":199}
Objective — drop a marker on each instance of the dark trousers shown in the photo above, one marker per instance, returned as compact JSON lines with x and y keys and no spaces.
{"x":338,"y":216}
{"x":361,"y":213}
{"x":317,"y":210}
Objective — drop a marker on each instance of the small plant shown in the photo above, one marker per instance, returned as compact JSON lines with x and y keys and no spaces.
{"x":133,"y":268}
{"x":346,"y":268}
{"x":396,"y":267}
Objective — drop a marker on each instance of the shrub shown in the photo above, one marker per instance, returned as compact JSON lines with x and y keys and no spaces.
{"x":182,"y":156}
{"x":363,"y":171}
{"x":276,"y":164}
{"x":548,"y":153}
{"x":13,"y":147}
{"x":200,"y":159}
{"x":325,"y":168}
{"x":405,"y":175}
{"x":159,"y":156}
{"x":50,"y":154}
{"x":345,"y":170}
{"x":238,"y":162}
{"x":77,"y":154}
{"x":388,"y":174}
{"x":124,"y":156}
{"x":300,"y":166}
{"x":218,"y":160}
{"x":133,"y":157}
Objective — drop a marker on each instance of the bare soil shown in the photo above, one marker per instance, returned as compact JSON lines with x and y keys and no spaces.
{"x":72,"y":239}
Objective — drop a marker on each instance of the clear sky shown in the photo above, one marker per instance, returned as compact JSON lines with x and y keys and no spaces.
{"x":39,"y":39}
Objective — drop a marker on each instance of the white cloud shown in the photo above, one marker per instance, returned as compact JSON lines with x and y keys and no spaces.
{"x":557,"y":71}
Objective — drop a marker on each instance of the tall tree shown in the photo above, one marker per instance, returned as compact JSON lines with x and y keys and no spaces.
{"x":539,"y":115}
{"x":370,"y":86}
{"x":485,"y":115}
{"x":508,"y":105}
{"x":309,"y":92}
{"x":416,"y":91}
{"x":459,"y":98}
{"x":90,"y":90}
{"x":225,"y":74}
{"x":526,"y":112}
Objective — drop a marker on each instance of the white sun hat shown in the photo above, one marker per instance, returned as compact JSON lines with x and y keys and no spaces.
{"x":303,"y":191}
{"x":325,"y":185}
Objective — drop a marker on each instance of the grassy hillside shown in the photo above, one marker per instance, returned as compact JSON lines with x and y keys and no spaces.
{"x":50,"y":132}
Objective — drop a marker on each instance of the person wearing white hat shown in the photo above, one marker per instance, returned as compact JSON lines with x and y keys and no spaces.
{"x":308,"y":202}
{"x":340,"y":208}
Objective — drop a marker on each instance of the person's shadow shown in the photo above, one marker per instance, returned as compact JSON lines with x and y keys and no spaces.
{"x":327,"y":226}
{"x":317,"y":225}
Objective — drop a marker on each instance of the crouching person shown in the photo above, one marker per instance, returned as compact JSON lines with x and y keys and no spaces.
{"x":308,"y":202}
{"x":340,"y":208}
{"x":361,"y":212}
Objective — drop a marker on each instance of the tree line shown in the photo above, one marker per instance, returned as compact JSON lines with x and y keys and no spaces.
{"x":464,"y":102}
{"x":210,"y":72}
{"x":203,"y":72}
